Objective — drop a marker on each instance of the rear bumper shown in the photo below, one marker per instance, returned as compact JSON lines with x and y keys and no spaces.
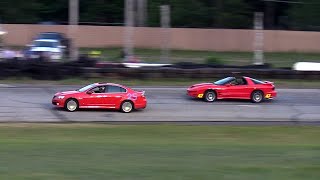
{"x":141,"y":103}
{"x":270,"y":95}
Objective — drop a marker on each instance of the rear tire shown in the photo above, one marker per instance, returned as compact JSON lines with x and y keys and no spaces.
{"x":257,"y":96}
{"x":210,"y":96}
{"x":126,"y":106}
{"x":71,"y":105}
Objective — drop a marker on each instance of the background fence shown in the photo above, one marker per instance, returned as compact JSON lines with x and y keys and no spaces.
{"x":181,"y":38}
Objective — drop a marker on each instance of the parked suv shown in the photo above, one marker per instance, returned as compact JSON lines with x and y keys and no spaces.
{"x":60,"y":37}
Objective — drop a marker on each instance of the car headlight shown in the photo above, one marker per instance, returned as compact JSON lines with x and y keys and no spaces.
{"x":60,"y":97}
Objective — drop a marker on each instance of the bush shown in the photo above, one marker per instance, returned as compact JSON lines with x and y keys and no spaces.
{"x":214,"y":60}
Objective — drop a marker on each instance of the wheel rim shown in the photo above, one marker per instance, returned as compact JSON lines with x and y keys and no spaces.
{"x":72,"y":105}
{"x":210,"y":96}
{"x":257,"y":97}
{"x":126,"y":107}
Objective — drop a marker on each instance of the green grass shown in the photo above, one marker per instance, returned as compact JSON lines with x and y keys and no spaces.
{"x":280,"y":83}
{"x":80,"y":151}
{"x":284,"y":59}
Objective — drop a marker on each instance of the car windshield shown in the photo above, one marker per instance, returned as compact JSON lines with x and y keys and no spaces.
{"x":224,"y":81}
{"x":49,"y":36}
{"x":86,"y":88}
{"x":45,"y":44}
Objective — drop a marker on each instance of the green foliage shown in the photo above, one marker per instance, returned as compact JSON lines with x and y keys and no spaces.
{"x":184,"y":13}
{"x":305,"y":15}
{"x":214,"y":60}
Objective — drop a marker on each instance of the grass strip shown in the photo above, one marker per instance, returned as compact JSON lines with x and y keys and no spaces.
{"x":99,"y":151}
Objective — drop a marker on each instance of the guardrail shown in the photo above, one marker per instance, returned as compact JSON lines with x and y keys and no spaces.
{"x":88,"y":69}
{"x":169,"y":72}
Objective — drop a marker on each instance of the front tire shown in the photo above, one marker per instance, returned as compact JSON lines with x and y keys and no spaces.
{"x":210,"y":96}
{"x":71,"y":105}
{"x":127,"y":107}
{"x":257,"y":96}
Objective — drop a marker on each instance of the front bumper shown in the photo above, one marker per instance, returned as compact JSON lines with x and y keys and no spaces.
{"x":58,"y":102}
{"x":194,"y":94}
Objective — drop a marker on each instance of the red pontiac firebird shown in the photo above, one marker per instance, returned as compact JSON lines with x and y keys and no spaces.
{"x":101,"y":95}
{"x":234,"y":88}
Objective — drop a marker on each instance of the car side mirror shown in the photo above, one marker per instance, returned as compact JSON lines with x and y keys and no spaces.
{"x":89,"y":92}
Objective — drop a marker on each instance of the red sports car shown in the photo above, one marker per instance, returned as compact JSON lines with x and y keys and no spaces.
{"x":234,"y":88}
{"x":101,"y":95}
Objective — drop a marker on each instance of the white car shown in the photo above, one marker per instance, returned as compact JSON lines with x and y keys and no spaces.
{"x":49,"y":48}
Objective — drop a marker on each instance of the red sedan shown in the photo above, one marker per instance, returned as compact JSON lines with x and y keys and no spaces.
{"x":101,"y":95}
{"x":234,"y":88}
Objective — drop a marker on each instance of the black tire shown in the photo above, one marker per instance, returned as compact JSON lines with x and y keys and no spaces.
{"x":71,"y":105}
{"x":127,"y":106}
{"x":210,"y":96}
{"x":257,"y":96}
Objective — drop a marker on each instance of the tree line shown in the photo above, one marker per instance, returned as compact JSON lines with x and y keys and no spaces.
{"x":238,"y":14}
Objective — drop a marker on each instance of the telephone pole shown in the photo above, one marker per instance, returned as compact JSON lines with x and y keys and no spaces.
{"x":73,"y":27}
{"x":258,"y":39}
{"x":129,"y":29}
{"x":165,"y":26}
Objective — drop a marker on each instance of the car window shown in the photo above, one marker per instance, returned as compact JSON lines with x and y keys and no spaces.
{"x":239,"y":81}
{"x":99,"y":89}
{"x":224,"y":81}
{"x":255,"y":81}
{"x":45,"y":44}
{"x":114,"y":89}
{"x":86,"y":88}
{"x":49,"y":36}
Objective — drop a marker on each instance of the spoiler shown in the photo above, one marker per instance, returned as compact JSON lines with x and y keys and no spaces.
{"x":141,"y":92}
{"x":268,"y":82}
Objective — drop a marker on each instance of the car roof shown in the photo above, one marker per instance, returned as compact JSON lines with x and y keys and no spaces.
{"x":106,"y":83}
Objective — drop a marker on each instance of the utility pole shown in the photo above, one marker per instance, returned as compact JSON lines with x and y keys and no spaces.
{"x":258,"y":39}
{"x":2,"y":33}
{"x":165,"y":26}
{"x":141,"y":13}
{"x":73,"y":27}
{"x":129,"y":29}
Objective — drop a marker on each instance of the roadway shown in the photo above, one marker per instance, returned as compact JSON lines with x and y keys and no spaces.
{"x":29,"y":103}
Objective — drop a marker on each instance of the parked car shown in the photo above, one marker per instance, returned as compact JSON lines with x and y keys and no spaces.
{"x":101,"y":95}
{"x":234,"y":88}
{"x":46,"y":48}
{"x":60,"y":37}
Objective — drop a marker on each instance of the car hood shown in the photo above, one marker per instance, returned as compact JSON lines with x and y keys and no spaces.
{"x":66,"y":93}
{"x":45,"y":49}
